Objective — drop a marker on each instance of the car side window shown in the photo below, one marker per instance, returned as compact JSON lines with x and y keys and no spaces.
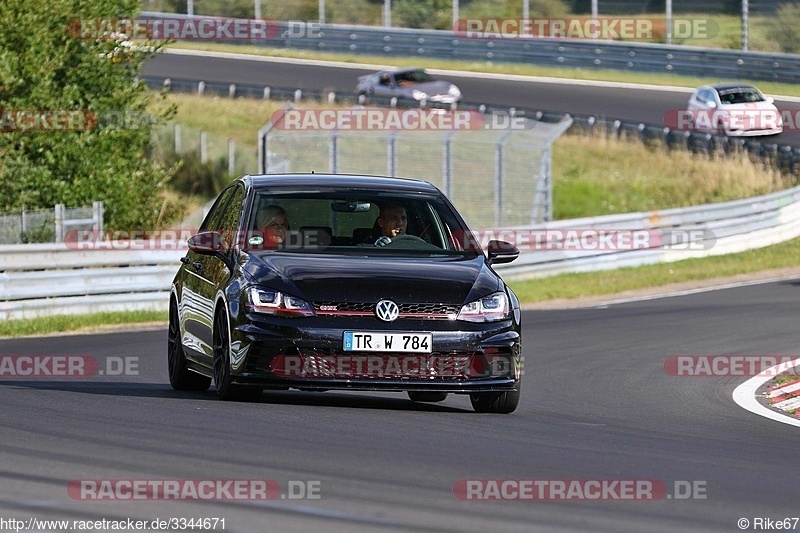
{"x":708,"y":96}
{"x":231,"y":216}
{"x":212,"y":220}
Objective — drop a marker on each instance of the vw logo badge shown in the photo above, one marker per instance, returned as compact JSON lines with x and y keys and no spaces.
{"x":387,"y":310}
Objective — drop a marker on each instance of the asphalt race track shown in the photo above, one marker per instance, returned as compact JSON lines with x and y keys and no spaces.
{"x":597,"y":405}
{"x":634,"y":104}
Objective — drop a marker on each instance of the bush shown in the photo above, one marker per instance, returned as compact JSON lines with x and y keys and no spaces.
{"x":785,"y":30}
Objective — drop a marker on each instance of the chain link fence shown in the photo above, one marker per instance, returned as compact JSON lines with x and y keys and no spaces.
{"x":205,"y":155}
{"x":496,"y":177}
{"x":49,"y":225}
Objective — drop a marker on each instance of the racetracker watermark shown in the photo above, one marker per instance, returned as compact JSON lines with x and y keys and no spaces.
{"x":192,"y":489}
{"x":602,"y":28}
{"x":524,"y":239}
{"x":591,"y":239}
{"x":24,"y":120}
{"x":742,"y":119}
{"x":730,"y":365}
{"x":372,"y":119}
{"x":66,"y":366}
{"x":577,"y":489}
{"x":191,"y":29}
{"x":390,"y":366}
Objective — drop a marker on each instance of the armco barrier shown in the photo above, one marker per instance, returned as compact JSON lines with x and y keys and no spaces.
{"x":570,"y":53}
{"x":40,"y":279}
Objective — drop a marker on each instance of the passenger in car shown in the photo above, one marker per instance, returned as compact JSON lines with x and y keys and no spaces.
{"x":274,"y":223}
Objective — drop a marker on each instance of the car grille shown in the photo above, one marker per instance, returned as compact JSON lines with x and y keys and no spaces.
{"x":413,"y":310}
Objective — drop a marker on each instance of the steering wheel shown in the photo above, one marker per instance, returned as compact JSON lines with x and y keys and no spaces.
{"x":407,"y":238}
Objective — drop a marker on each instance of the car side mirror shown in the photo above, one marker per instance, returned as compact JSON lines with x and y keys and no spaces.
{"x":712,"y":105}
{"x":770,"y":100}
{"x":501,"y":252}
{"x":206,"y":243}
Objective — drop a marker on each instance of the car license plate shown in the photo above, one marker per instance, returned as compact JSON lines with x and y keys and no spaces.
{"x":372,"y":341}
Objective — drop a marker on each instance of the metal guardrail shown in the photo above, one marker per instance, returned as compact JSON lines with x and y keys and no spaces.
{"x":570,"y":53}
{"x":82,"y":281}
{"x":785,"y":157}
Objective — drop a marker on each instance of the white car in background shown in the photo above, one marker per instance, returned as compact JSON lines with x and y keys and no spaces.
{"x":734,"y":109}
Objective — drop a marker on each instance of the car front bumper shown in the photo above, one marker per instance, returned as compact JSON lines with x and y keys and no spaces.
{"x":308,"y":353}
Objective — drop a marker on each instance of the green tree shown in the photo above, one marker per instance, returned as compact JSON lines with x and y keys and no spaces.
{"x":785,"y":28}
{"x":46,"y":68}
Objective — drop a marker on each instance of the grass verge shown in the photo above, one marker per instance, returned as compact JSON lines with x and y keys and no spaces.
{"x":571,"y":286}
{"x":78,"y":323}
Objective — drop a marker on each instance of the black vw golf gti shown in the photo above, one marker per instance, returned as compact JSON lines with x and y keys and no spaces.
{"x":336,"y":282}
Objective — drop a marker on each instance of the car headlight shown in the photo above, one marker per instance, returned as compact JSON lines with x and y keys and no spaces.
{"x":277,"y":303}
{"x":418,"y":95}
{"x":488,"y":309}
{"x":454,"y":91}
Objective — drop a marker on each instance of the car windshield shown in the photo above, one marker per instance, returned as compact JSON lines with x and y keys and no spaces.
{"x":739,"y":95}
{"x":413,"y":76}
{"x":353,"y":222}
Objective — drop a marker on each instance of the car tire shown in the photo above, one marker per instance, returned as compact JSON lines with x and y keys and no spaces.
{"x":495,"y":402}
{"x":180,"y":377}
{"x":223,"y":380}
{"x":430,"y":397}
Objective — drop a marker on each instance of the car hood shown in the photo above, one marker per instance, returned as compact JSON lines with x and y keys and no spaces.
{"x":345,"y":278}
{"x":749,"y":106}
{"x":430,"y":88}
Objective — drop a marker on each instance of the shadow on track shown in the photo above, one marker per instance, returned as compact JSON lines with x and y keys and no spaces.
{"x":301,"y":398}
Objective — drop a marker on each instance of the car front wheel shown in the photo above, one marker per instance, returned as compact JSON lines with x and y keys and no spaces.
{"x":226,"y":389}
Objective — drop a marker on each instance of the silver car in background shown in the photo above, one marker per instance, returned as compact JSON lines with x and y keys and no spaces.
{"x":408,"y":83}
{"x":735,"y":110}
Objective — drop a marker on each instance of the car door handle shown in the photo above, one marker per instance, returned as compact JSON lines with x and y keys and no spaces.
{"x":185,"y":260}
{"x":197,"y":265}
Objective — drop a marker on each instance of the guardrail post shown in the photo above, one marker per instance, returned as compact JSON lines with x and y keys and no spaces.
{"x":59,"y":216}
{"x":298,"y":94}
{"x":203,"y":147}
{"x":331,"y":97}
{"x":201,"y":88}
{"x":232,"y":90}
{"x":98,"y":215}
{"x":267,"y":92}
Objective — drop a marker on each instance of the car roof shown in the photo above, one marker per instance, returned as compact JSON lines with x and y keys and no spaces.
{"x":723,"y":86}
{"x":401,"y":70}
{"x":343,"y":181}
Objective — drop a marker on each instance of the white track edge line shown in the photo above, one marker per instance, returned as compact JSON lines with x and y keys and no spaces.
{"x":745,"y":397}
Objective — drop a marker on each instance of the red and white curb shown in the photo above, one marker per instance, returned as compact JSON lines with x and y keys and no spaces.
{"x":785,"y":397}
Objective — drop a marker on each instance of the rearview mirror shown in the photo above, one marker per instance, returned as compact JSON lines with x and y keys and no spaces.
{"x":351,"y":206}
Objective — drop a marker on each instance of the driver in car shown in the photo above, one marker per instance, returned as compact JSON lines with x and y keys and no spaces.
{"x":392,"y":221}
